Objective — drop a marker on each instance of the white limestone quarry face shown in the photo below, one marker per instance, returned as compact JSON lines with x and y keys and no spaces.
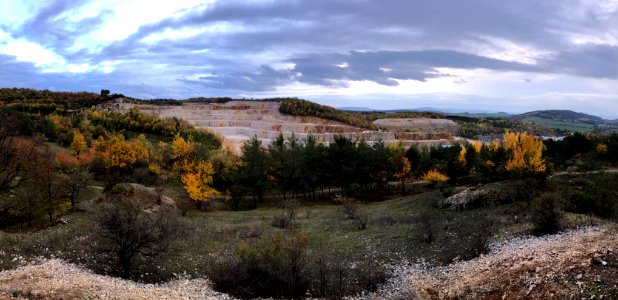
{"x":238,"y":121}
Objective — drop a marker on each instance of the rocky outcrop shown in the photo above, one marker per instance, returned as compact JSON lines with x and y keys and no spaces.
{"x":472,"y":197}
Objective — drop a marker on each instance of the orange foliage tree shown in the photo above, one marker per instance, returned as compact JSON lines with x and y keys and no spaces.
{"x":526,"y":153}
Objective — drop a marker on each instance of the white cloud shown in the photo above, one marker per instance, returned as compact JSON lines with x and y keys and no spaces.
{"x":127,"y":17}
{"x":28,"y":51}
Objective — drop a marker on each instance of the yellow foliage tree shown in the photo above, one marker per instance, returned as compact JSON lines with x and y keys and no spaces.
{"x":435,"y":176}
{"x":182,"y":152}
{"x":601,"y":148}
{"x":119,"y":153}
{"x":462,"y":156}
{"x":197,"y":181}
{"x":477,"y":146}
{"x":403,"y":167}
{"x":78,"y":144}
{"x":526,"y":153}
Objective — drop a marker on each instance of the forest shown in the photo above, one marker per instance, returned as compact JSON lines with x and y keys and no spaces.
{"x":64,"y":160}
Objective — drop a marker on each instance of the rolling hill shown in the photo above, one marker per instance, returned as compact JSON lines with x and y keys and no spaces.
{"x":565,"y":120}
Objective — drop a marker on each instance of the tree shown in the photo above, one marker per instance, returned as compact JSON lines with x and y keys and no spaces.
{"x":17,"y":159}
{"x":182,"y":152}
{"x":526,"y":153}
{"x":277,"y":159}
{"x":253,"y":171}
{"x":198,"y":181}
{"x":401,"y":163}
{"x":74,"y":175}
{"x":46,"y":183}
{"x":78,"y":144}
{"x":127,"y":231}
{"x":105,"y":93}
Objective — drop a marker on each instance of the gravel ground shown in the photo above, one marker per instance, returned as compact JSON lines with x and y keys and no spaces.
{"x":549,"y":267}
{"x":56,"y":279}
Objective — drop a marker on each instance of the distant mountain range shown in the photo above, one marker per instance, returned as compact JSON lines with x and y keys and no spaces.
{"x":556,"y":115}
{"x":425,"y":109}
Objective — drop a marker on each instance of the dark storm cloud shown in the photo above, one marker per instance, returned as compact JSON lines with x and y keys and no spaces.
{"x":382,"y":67}
{"x":394,"y":32}
{"x":598,"y":61}
{"x":380,"y":41}
{"x":265,"y":79}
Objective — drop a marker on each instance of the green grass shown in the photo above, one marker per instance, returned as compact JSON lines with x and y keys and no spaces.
{"x":570,"y":126}
{"x":395,"y":232}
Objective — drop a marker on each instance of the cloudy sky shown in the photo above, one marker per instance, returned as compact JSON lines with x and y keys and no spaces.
{"x":472,"y":55}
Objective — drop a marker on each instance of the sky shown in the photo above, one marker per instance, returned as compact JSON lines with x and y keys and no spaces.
{"x":468,"y":55}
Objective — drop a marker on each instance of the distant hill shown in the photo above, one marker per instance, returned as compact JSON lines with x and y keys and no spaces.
{"x":563,"y":116}
{"x":355,"y":108}
{"x":566,"y":120}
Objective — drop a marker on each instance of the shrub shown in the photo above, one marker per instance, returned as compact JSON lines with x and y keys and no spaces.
{"x":468,"y":243}
{"x":435,"y":176}
{"x":282,"y":221}
{"x":351,"y":211}
{"x":544,"y":215}
{"x":275,"y":266}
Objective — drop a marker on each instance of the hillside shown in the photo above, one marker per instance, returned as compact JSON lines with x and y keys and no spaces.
{"x":564,"y":120}
{"x":562,"y":116}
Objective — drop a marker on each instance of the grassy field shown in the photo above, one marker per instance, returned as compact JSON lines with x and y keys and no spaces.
{"x":403,"y":229}
{"x":570,"y":126}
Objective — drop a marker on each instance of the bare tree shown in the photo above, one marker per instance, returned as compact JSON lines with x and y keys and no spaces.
{"x":127,"y":231}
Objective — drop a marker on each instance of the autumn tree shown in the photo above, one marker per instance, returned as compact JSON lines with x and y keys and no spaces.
{"x":78,"y":144}
{"x":118,"y":156}
{"x":182,"y":152}
{"x":403,"y":168}
{"x":526,"y":153}
{"x":74,"y":175}
{"x":197,"y":181}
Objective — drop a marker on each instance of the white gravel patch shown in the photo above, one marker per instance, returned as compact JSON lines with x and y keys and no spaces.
{"x":527,"y":261}
{"x":56,"y":279}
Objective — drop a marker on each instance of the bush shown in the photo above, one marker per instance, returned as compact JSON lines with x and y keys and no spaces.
{"x":282,"y":221}
{"x":469,"y":243}
{"x":595,"y":195}
{"x":351,"y":211}
{"x":275,"y":266}
{"x":544,"y":216}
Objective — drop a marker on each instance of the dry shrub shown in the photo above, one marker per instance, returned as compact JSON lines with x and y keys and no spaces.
{"x":352,"y":212}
